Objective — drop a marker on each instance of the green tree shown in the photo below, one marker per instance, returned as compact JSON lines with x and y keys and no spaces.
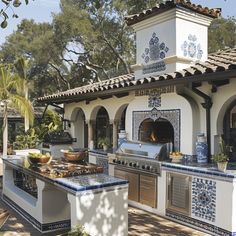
{"x":11,"y":94}
{"x":22,"y":67}
{"x":222,"y":34}
{"x":34,"y":42}
{"x":96,"y":36}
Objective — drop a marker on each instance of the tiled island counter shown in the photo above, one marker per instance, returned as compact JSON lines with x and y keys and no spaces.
{"x":98,"y":202}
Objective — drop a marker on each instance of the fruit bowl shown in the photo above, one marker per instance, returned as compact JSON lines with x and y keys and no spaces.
{"x":176,"y":156}
{"x":39,"y":158}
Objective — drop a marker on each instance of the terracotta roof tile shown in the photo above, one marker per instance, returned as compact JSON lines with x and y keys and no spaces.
{"x":159,"y":8}
{"x":219,"y":61}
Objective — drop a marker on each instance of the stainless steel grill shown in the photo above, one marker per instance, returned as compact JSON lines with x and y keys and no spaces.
{"x":142,"y":156}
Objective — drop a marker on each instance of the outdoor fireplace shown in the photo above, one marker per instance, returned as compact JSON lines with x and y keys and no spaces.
{"x":158,"y":131}
{"x":157,"y":126}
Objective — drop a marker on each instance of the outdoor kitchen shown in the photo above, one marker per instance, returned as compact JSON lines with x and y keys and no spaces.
{"x":161,"y":124}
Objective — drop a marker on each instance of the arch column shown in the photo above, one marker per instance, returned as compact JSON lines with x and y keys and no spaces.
{"x":115,"y":124}
{"x":91,"y":124}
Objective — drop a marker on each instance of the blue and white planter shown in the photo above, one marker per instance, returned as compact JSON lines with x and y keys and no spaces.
{"x":201,"y":149}
{"x":122,"y":137}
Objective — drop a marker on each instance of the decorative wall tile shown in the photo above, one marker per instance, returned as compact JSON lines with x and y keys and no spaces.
{"x":103,"y":161}
{"x":204,"y":199}
{"x":154,"y":100}
{"x":173,"y":116}
{"x":192,"y":48}
{"x":156,"y":51}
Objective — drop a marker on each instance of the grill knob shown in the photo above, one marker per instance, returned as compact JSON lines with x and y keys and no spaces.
{"x":134,"y":164}
{"x":114,"y":160}
{"x":148,"y":167}
{"x":123,"y":162}
{"x":119,"y":162}
{"x":130,"y":164}
{"x":143,"y":166}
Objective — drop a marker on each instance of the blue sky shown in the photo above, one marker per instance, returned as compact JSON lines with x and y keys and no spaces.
{"x":41,"y":11}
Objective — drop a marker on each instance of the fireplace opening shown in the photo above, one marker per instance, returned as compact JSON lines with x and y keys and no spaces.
{"x":159,"y":131}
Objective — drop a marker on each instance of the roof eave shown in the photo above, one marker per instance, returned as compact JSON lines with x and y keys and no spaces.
{"x":214,"y":76}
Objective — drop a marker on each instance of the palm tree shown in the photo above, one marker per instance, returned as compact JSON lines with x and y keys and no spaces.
{"x":22,"y":68}
{"x":12,"y":94}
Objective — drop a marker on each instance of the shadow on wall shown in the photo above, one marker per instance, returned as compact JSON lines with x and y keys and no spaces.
{"x":103,"y":214}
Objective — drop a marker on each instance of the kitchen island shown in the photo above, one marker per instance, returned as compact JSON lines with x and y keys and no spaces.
{"x":62,"y":195}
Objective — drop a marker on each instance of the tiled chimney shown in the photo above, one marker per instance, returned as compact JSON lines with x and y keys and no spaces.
{"x":170,"y":37}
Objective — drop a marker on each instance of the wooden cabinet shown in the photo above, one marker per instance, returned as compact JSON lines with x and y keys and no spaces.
{"x":148,"y":190}
{"x":142,"y":187}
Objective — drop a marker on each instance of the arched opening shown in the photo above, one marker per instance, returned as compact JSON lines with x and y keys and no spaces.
{"x":103,"y":128}
{"x":80,"y":128}
{"x":122,"y":119}
{"x":229,"y":129}
{"x":159,"y":131}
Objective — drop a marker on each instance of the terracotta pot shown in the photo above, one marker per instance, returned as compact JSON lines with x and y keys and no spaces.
{"x":222,"y":166}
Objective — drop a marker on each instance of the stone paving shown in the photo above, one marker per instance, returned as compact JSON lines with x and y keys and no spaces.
{"x":141,"y":223}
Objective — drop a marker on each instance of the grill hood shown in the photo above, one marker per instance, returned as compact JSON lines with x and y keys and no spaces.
{"x":144,"y":150}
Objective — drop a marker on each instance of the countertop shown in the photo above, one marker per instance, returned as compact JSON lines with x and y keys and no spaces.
{"x":90,"y":182}
{"x":209,"y":169}
{"x":74,"y":184}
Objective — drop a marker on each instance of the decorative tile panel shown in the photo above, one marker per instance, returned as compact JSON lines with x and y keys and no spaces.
{"x":155,"y":52}
{"x":103,"y":162}
{"x":192,"y":48}
{"x":204,"y":199}
{"x":173,"y":116}
{"x":154,"y":100}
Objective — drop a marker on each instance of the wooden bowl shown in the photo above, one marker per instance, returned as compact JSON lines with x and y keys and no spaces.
{"x":74,"y":156}
{"x":39,"y":160}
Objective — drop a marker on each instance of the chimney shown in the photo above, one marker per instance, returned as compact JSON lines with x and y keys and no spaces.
{"x":170,"y":37}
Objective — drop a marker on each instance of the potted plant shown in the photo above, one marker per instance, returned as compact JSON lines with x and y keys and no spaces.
{"x":103,"y":142}
{"x":222,"y":157}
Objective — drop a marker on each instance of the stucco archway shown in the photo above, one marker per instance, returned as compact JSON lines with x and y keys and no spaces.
{"x":226,"y":127}
{"x":101,"y":125}
{"x":79,"y":128}
{"x":120,"y":116}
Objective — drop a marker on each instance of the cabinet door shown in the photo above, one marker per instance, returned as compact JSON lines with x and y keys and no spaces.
{"x":148,"y":190}
{"x":133,"y":179}
{"x":179,"y":193}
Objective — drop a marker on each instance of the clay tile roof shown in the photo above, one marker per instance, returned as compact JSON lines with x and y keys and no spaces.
{"x":159,"y":8}
{"x":217,"y":62}
{"x":117,"y":82}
